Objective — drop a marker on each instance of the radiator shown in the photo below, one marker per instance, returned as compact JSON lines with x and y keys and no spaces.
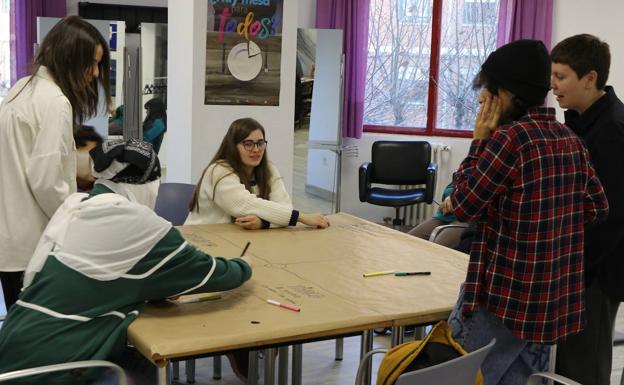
{"x":415,"y":214}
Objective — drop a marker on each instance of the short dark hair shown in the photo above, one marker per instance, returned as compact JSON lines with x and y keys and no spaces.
{"x":584,"y":53}
{"x":86,"y":134}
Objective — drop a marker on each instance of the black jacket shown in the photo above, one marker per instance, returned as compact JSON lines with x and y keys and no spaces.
{"x":602,"y":128}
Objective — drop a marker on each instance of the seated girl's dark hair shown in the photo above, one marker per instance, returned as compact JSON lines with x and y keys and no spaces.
{"x":518,"y":108}
{"x":86,"y":134}
{"x":156,"y":109}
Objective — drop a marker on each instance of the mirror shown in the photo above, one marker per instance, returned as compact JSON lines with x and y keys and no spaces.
{"x":116,"y":44}
{"x":154,"y":61}
{"x":154,"y":85}
{"x":318,"y":114}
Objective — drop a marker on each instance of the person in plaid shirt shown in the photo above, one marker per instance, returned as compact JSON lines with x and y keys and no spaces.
{"x":530,"y":188}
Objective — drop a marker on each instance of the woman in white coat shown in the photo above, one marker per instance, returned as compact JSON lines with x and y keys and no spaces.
{"x":241,"y":186}
{"x":37,"y":149}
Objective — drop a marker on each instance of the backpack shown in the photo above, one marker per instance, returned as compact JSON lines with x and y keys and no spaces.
{"x":437,"y":347}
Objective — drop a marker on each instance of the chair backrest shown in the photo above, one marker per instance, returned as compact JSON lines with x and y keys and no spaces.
{"x":400,"y":162}
{"x":121,"y":375}
{"x":458,"y":371}
{"x":448,"y":235}
{"x":538,"y":378}
{"x":172,"y":202}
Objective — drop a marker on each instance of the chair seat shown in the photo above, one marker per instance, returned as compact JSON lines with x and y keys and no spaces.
{"x":395,"y":198}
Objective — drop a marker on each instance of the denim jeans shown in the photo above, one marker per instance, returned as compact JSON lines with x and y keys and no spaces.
{"x":511,"y":360}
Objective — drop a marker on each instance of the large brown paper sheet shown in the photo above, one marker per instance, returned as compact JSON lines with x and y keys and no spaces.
{"x":321,"y":271}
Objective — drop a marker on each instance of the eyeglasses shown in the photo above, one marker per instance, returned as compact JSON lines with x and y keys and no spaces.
{"x":249,"y":144}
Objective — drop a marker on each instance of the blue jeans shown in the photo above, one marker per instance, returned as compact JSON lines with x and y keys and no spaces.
{"x":511,"y":360}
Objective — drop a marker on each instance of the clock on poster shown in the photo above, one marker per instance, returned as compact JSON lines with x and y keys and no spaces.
{"x":243,"y":52}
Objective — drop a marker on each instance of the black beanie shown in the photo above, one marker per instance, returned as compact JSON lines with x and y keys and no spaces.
{"x":523,"y":68}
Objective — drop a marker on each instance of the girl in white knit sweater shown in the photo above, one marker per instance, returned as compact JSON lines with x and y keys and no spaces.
{"x":240,"y":185}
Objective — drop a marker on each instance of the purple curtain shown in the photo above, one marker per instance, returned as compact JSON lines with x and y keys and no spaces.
{"x":525,"y":19}
{"x":24,"y":30}
{"x":352,"y":17}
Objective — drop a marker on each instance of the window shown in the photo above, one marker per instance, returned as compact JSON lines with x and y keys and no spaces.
{"x":415,"y":11}
{"x":477,"y":11}
{"x":419,"y":74}
{"x":5,"y":48}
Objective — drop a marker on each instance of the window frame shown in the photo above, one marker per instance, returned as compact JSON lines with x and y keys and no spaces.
{"x":430,"y":128}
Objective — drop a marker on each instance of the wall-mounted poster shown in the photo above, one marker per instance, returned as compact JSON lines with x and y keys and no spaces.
{"x":243,"y":52}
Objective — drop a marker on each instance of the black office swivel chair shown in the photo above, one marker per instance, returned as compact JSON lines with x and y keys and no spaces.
{"x":400,"y":163}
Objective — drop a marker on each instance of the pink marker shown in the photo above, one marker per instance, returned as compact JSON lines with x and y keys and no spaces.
{"x":284,"y":305}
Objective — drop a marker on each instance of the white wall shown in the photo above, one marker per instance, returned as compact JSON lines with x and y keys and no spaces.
{"x":307,"y":13}
{"x":181,"y":55}
{"x":196,"y":130}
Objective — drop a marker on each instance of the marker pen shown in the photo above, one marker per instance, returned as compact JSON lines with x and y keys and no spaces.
{"x":284,"y":305}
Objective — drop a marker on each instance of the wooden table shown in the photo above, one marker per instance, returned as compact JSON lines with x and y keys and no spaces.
{"x":318,"y":270}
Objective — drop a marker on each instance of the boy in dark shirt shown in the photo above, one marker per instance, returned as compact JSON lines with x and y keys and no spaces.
{"x":580,"y":68}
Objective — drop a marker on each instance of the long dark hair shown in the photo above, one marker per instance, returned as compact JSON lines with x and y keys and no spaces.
{"x":228,"y":155}
{"x":67,"y":52}
{"x":518,"y":106}
{"x":155,"y":110}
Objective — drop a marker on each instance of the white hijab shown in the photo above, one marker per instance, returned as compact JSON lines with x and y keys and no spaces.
{"x":104,"y":236}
